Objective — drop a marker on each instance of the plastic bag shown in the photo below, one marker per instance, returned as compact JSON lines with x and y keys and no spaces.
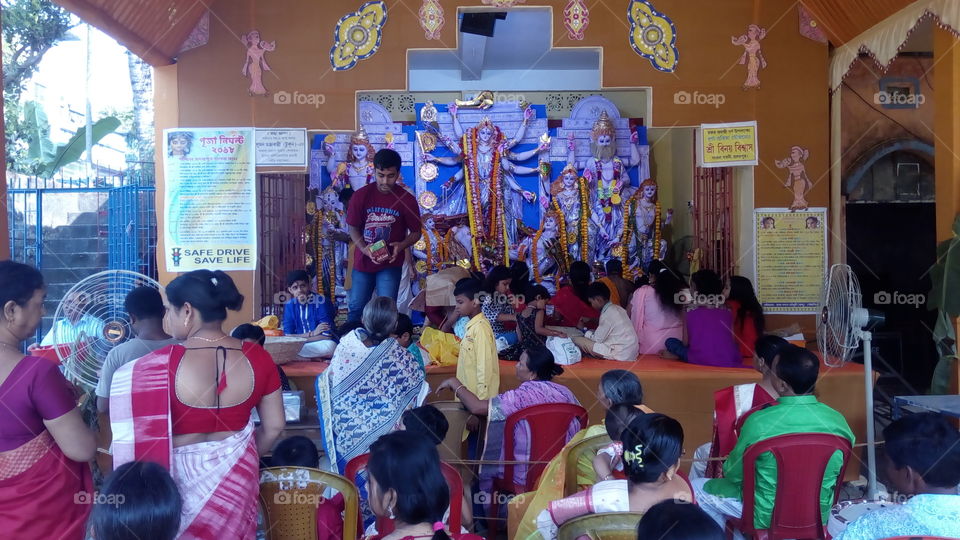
{"x":565,"y":351}
{"x":443,"y":348}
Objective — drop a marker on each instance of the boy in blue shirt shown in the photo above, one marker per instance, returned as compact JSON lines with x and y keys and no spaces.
{"x":307,"y":315}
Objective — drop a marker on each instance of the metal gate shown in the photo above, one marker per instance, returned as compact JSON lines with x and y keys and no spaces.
{"x":282,"y":245}
{"x":713,"y":218}
{"x":73,"y":228}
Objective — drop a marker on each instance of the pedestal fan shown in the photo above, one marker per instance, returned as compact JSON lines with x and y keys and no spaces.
{"x":841,"y":328}
{"x":100,"y":296}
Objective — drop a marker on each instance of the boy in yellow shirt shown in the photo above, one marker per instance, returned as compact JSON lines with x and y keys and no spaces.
{"x":478,"y":367}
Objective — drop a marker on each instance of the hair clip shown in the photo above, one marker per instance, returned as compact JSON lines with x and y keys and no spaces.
{"x":438,"y":526}
{"x":635,"y":456}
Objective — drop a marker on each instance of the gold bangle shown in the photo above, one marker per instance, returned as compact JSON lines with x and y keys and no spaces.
{"x":457,"y":390}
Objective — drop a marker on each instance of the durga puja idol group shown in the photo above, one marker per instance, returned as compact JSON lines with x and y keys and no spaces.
{"x":590,"y":211}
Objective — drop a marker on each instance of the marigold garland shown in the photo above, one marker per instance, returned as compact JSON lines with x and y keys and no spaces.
{"x":472,"y":201}
{"x":584,"y":219}
{"x":656,"y":233}
{"x":562,"y":225}
{"x":627,"y":236}
{"x":535,"y":255}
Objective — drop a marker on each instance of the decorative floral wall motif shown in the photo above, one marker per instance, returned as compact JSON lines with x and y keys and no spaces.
{"x":653,"y":35}
{"x":752,"y":56}
{"x":809,"y":28}
{"x":576,"y":17}
{"x":358,"y":35}
{"x":431,"y":18}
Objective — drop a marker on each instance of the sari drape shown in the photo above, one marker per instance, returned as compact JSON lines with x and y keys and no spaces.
{"x":528,"y":394}
{"x":608,"y":496}
{"x":43,"y":494}
{"x":363,"y":396}
{"x":731,"y":404}
{"x":218,"y":480}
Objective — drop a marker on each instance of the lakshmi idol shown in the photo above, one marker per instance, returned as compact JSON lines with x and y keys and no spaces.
{"x":609,"y":183}
{"x":485,"y":188}
{"x":357,"y":171}
{"x":571,"y":200}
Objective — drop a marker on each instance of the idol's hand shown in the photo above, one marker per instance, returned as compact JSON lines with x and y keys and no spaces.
{"x":430,"y":158}
{"x":634,"y":137}
{"x":452,"y":109}
{"x":328,"y":149}
{"x":528,"y":113}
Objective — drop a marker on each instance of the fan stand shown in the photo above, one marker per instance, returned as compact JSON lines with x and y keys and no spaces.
{"x":866,"y":338}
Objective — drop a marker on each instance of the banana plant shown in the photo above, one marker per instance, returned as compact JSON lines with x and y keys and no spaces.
{"x":945,"y":298}
{"x":51,"y":158}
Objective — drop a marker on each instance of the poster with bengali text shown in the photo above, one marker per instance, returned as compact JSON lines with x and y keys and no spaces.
{"x":727,"y":145}
{"x":791,"y":258}
{"x":210,"y":199}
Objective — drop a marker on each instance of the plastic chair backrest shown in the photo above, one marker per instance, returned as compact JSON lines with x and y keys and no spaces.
{"x":548,"y":434}
{"x":588,"y":446}
{"x":451,"y":449}
{"x":450,"y":474}
{"x":602,"y":526}
{"x":801,"y":460}
{"x":290,"y":507}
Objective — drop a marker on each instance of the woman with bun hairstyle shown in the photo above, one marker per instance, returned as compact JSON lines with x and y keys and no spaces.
{"x":652,"y":445}
{"x":188,"y":408}
{"x":535,"y":371}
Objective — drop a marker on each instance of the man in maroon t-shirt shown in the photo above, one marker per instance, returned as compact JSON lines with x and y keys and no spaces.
{"x":381,"y":214}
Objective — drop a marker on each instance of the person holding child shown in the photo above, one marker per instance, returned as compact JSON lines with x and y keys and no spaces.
{"x":708,"y":326}
{"x":308,"y":315}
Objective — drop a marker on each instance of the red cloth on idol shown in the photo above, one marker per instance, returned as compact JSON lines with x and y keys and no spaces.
{"x":186,"y":419}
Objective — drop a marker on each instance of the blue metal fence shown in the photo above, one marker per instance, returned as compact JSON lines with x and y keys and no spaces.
{"x":71,"y":228}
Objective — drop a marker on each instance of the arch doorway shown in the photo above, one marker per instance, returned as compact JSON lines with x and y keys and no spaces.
{"x":891,"y":245}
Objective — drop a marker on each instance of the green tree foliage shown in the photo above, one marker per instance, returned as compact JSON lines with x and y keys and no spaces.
{"x":30,"y":29}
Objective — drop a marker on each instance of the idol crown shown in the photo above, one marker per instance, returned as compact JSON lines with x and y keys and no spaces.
{"x":603,"y":126}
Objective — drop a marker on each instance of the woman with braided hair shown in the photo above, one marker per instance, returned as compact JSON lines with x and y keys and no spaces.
{"x":652,"y":445}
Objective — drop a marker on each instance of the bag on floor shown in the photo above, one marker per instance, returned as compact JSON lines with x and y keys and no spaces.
{"x":565,"y":351}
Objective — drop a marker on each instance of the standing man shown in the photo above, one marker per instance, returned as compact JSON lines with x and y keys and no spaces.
{"x":384,"y":221}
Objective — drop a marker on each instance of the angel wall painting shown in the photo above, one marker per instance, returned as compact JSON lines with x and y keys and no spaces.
{"x":752,"y":55}
{"x":255,"y":64}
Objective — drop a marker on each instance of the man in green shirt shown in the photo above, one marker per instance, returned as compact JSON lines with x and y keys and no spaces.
{"x":797,"y":411}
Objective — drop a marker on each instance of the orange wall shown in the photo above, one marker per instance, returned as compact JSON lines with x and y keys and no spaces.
{"x":791,"y":107}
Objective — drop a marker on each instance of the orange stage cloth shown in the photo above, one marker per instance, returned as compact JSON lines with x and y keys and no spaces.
{"x":680,"y":390}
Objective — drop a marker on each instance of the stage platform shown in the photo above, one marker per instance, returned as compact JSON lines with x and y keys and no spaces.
{"x":680,"y":390}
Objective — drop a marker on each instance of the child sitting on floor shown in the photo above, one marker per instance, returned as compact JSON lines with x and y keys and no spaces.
{"x":708,"y":338}
{"x":615,"y":338}
{"x":530,"y":325}
{"x":404,"y":336}
{"x":609,"y":460}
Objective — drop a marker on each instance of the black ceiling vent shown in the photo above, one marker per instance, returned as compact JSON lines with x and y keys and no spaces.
{"x":480,"y":23}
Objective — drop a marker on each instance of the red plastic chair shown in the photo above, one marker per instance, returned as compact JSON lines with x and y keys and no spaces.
{"x":801,"y":464}
{"x":548,"y":434}
{"x":454,"y":482}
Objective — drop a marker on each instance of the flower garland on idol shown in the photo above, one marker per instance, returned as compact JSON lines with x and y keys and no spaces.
{"x":562,"y":226}
{"x":497,"y":223}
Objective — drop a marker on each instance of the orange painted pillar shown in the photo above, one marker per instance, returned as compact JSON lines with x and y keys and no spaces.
{"x":946,"y":84}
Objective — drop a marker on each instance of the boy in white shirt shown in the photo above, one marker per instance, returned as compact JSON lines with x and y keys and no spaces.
{"x":615,"y":337}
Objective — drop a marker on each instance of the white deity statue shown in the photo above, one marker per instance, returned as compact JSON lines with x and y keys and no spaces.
{"x":357,"y":170}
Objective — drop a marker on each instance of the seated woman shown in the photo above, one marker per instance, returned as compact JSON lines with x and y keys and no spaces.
{"x":707,"y":326}
{"x":535,"y":369}
{"x":407,"y":486}
{"x":617,"y":386}
{"x":371,"y":381}
{"x":571,"y":306}
{"x":196,"y":398}
{"x":500,"y":312}
{"x":748,"y":320}
{"x":44,"y":444}
{"x":732,"y":405}
{"x":654,"y":311}
{"x":652,"y":446}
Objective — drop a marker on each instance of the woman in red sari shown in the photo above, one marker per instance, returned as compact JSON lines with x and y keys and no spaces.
{"x":188,"y":407}
{"x":45,"y":484}
{"x":733,"y":404}
{"x":570,"y":304}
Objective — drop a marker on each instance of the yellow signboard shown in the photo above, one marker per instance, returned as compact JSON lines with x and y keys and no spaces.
{"x":727,"y":145}
{"x":791,"y":258}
